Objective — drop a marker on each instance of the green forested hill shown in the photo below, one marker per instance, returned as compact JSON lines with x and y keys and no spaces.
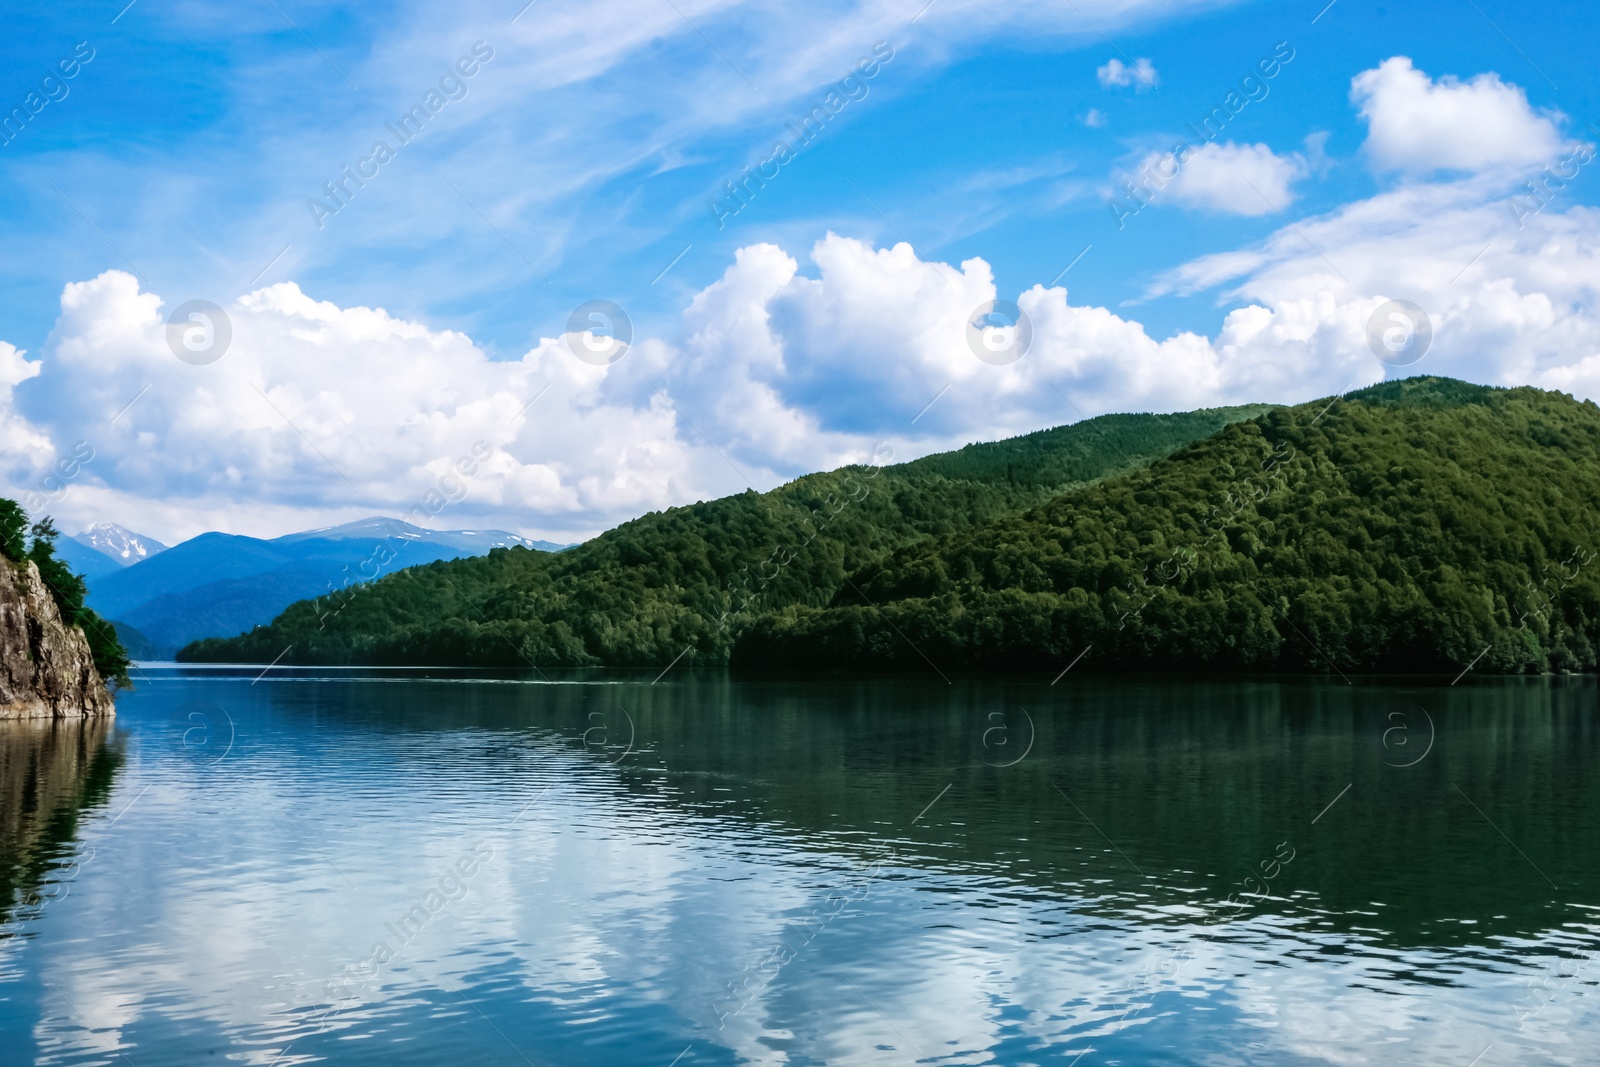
{"x":693,"y":577}
{"x":1422,"y":525}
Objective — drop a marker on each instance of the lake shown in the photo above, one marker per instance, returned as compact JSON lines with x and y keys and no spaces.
{"x":423,"y":868}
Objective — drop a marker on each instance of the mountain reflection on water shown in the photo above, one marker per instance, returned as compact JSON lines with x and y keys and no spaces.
{"x":393,"y":867}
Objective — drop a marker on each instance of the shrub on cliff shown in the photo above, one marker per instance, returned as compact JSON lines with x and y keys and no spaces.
{"x":66,"y":588}
{"x":13,"y":531}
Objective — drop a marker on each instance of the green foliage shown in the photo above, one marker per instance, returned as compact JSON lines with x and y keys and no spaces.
{"x":691,"y":578}
{"x":13,"y":531}
{"x":67,"y":590}
{"x":110,"y":658}
{"x":1413,"y":526}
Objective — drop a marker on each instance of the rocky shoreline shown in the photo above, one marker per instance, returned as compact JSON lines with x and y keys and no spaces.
{"x":46,"y":668}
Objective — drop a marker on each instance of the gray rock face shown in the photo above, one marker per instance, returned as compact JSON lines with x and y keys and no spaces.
{"x":46,"y":670}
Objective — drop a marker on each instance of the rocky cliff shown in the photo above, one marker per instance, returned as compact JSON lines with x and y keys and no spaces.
{"x":46,"y":670}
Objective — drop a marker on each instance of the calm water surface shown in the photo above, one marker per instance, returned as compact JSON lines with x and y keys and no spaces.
{"x":364,"y":869}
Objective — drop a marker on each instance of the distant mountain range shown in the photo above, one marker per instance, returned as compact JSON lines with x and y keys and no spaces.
{"x":215,"y":584}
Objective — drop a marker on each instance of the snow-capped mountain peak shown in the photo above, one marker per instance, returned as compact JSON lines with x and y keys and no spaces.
{"x":120,"y":543}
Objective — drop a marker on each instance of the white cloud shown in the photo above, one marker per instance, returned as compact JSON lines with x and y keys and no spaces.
{"x":22,"y":444}
{"x":1419,"y":125}
{"x":1095,"y":119}
{"x":1116,"y":73}
{"x":855,"y":354}
{"x":320,"y":411}
{"x":1240,"y":179}
{"x":1509,"y":306}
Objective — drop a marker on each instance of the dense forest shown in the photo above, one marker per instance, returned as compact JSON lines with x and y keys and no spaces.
{"x":688,"y":580}
{"x":21,"y":542}
{"x":1419,"y":525}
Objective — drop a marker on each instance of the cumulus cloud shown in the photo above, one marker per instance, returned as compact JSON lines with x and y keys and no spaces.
{"x":1509,"y":306}
{"x":1095,"y":119}
{"x":829,"y":366}
{"x":1117,"y":74}
{"x":322,"y":410}
{"x":1419,"y":125}
{"x":1239,"y":179}
{"x":22,"y":445}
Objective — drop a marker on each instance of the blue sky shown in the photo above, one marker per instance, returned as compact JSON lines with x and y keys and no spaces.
{"x":582,"y":159}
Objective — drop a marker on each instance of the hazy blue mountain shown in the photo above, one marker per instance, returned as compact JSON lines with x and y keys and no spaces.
{"x":223,"y":584}
{"x":138,"y":646}
{"x":476,"y":542}
{"x":119,"y":543}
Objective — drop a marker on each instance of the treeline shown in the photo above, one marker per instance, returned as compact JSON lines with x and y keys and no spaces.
{"x":689,"y":580}
{"x":21,"y":542}
{"x":1419,"y":525}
